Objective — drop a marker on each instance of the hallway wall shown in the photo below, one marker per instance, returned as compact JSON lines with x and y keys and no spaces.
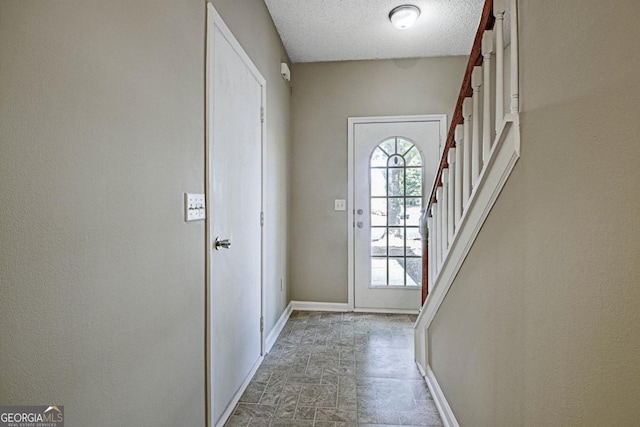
{"x":324,"y":96}
{"x":102,"y":282}
{"x":541,"y":326}
{"x":102,"y":130}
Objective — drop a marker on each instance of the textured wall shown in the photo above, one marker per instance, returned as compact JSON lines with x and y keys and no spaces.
{"x":101,"y":281}
{"x":102,"y":130}
{"x":541,"y":325}
{"x":251,"y":24}
{"x":324,"y":96}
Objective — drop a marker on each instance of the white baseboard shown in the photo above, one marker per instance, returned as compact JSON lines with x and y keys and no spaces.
{"x":236,"y":397}
{"x":385,"y":310}
{"x":277,"y":328}
{"x":344,"y":307}
{"x":319,"y":306}
{"x":446,"y":414}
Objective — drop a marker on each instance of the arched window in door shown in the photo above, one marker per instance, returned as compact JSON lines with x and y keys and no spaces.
{"x":396,"y":199}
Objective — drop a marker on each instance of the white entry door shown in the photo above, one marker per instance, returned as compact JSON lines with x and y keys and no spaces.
{"x":234,"y":170}
{"x":393,"y":164}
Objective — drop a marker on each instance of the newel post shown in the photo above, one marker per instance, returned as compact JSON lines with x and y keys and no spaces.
{"x":424,"y":233}
{"x":433,"y":241}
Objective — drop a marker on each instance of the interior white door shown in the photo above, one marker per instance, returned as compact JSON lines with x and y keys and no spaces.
{"x":394,"y":163}
{"x":235,"y":201}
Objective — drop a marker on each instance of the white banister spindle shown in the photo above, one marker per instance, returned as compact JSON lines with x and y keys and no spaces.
{"x":476,"y":150}
{"x":451,"y":198}
{"x":430,"y":265}
{"x":439,"y":224}
{"x":487,"y":133}
{"x":457,"y":202}
{"x":445,"y":210}
{"x":433,"y":238}
{"x":498,"y":12}
{"x":466,"y":159}
{"x":515,"y":95}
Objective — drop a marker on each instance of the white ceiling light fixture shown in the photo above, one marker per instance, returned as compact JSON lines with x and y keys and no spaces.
{"x":402,"y":17}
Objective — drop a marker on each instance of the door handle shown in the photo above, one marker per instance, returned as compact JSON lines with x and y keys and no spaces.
{"x":224,"y":243}
{"x":360,"y":224}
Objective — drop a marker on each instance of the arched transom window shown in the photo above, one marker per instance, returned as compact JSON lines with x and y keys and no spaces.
{"x":396,"y":200}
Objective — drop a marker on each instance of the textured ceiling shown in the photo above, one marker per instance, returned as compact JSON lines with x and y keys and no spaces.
{"x":340,"y":30}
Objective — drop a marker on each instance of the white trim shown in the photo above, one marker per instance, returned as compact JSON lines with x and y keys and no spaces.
{"x":446,"y":414}
{"x":343,"y":307}
{"x":226,"y":32}
{"x":385,"y":310}
{"x":319,"y":306}
{"x":277,"y":328}
{"x":351,"y":122}
{"x":215,"y":20}
{"x":503,"y":157}
{"x":350,"y":215}
{"x":236,"y":397}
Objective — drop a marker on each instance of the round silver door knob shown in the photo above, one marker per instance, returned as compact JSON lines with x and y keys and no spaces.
{"x":360,"y":224}
{"x":221,"y":243}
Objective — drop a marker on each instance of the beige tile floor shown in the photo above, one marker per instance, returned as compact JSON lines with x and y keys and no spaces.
{"x":339,"y":370}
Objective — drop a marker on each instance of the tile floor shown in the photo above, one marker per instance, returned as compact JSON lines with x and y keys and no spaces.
{"x":339,"y":370}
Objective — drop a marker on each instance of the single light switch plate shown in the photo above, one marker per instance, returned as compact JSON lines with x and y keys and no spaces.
{"x":340,"y":205}
{"x":194,"y":207}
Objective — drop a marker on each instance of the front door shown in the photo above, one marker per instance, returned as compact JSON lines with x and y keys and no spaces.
{"x":394,"y":162}
{"x":234,"y":173}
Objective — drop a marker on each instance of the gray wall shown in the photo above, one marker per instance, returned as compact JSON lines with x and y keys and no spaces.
{"x":102,"y":130}
{"x":541,"y":326}
{"x":324,"y":96}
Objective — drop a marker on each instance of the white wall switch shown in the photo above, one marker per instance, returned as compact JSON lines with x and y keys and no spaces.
{"x":340,"y":205}
{"x":194,"y":207}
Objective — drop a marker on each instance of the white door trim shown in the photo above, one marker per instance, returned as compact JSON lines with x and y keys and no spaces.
{"x":214,"y":19}
{"x":351,"y":122}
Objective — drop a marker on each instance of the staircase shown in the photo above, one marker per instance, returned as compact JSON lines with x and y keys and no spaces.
{"x":481,"y":150}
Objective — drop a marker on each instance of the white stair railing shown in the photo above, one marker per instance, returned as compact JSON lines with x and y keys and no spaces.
{"x":477,"y":125}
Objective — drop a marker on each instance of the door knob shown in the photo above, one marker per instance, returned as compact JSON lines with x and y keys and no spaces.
{"x":224,"y":243}
{"x":360,"y":224}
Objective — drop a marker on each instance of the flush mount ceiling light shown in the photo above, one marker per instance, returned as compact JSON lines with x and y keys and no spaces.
{"x":404,"y":16}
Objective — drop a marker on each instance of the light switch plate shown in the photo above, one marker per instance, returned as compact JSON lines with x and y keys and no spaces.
{"x":194,"y":207}
{"x":340,"y":205}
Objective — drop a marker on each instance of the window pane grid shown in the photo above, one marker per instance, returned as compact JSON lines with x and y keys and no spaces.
{"x":391,"y":235}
